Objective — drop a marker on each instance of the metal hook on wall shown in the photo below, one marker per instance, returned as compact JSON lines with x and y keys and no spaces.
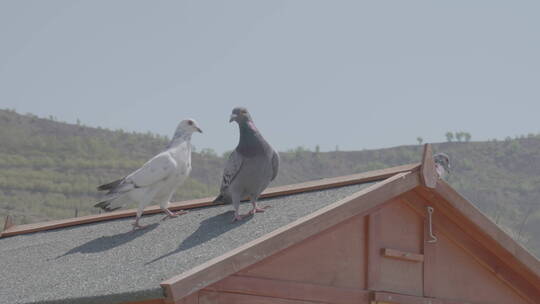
{"x":433,"y":238}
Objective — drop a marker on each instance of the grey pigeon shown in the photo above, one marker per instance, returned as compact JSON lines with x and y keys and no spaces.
{"x":250,"y":168}
{"x":442,"y":164}
{"x":158,"y":179}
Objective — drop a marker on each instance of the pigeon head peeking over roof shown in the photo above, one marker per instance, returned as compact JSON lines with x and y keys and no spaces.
{"x":442,"y":164}
{"x":240,"y":114}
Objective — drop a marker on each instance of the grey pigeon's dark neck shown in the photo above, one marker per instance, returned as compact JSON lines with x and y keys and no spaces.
{"x":251,"y":141}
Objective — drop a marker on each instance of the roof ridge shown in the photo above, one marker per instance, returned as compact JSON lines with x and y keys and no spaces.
{"x":313,"y":185}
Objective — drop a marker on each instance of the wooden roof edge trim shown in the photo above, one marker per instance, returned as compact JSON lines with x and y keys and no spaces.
{"x":321,"y":184}
{"x":428,"y":172}
{"x":87,"y":219}
{"x":339,"y":181}
{"x":361,"y":202}
{"x":530,"y":264}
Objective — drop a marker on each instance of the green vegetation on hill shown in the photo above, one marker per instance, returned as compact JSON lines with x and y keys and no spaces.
{"x":50,"y":170}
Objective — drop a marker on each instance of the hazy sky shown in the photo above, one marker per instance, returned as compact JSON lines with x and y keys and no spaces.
{"x":358,"y":74}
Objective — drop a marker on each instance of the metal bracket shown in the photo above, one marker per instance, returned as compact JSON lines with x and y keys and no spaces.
{"x":433,"y":238}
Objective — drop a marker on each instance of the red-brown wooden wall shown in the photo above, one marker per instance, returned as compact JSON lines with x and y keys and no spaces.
{"x":382,"y":252}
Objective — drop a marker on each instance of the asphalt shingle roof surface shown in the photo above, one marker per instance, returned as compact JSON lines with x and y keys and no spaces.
{"x":108,"y":263}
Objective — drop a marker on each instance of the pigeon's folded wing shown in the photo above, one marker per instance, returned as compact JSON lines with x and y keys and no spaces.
{"x":233,"y":166}
{"x":155,"y":170}
{"x":275,"y":165}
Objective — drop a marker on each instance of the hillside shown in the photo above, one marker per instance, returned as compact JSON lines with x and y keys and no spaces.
{"x":49,"y":170}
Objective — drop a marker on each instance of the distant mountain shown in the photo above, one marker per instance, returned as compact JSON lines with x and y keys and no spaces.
{"x":49,"y":170}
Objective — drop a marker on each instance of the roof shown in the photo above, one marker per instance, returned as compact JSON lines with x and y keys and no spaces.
{"x":107,"y":262}
{"x":203,"y":247}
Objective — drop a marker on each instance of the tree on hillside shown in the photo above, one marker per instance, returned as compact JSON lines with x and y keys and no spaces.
{"x":226,"y":154}
{"x":459,"y":136}
{"x":467,"y":136}
{"x":420,"y":140}
{"x":208,"y":152}
{"x":449,"y":136}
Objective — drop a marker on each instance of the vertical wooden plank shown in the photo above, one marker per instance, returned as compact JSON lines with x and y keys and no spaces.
{"x":429,"y":276}
{"x":374,"y":256}
{"x":400,"y":229}
{"x":365,"y":251}
{"x":430,"y":259}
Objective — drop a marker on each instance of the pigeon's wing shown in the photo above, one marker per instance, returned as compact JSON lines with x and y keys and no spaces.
{"x":275,"y":165}
{"x":155,"y":170}
{"x":233,"y":166}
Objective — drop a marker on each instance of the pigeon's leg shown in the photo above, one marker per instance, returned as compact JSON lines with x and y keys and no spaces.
{"x":164,"y":206}
{"x":171,"y":214}
{"x":237,"y":216}
{"x":136,"y":225}
{"x":256,"y":209}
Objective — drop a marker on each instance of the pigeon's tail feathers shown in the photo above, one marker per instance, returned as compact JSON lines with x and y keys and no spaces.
{"x":219,"y":199}
{"x":110,"y":186}
{"x":222,"y":199}
{"x":118,"y":187}
{"x":106,"y":206}
{"x":110,"y":204}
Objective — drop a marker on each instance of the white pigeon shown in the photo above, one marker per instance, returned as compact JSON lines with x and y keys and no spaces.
{"x":157,"y":180}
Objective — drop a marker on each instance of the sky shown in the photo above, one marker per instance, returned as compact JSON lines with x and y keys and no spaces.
{"x":352,"y":74}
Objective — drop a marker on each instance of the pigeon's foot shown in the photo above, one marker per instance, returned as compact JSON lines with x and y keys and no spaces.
{"x":258,"y":209}
{"x":137,"y":226}
{"x":237,"y":217}
{"x":173,"y":214}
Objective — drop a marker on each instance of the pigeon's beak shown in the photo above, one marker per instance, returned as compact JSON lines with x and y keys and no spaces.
{"x":198,"y":129}
{"x":233,"y":117}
